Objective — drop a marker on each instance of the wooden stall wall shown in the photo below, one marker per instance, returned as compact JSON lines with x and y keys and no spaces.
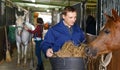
{"x":2,"y":13}
{"x":2,"y":35}
{"x":7,"y":13}
{"x":2,"y":44}
{"x":9,"y":22}
{"x":10,"y":15}
{"x":7,"y":18}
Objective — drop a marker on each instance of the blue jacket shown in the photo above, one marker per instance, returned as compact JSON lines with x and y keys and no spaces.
{"x":59,"y":34}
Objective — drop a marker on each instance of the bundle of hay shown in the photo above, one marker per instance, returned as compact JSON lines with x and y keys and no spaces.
{"x":70,"y":50}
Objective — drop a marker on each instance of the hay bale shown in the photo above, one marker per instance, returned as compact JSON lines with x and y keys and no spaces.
{"x":70,"y":50}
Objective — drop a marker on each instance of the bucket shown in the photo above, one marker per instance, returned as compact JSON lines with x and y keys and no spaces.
{"x":68,"y":63}
{"x":11,"y":33}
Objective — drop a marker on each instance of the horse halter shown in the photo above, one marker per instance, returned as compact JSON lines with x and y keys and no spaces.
{"x":19,"y":29}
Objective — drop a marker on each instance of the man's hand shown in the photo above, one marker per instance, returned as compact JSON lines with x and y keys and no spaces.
{"x":49,"y":52}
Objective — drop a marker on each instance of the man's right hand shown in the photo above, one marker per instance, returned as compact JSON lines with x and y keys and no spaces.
{"x":49,"y":52}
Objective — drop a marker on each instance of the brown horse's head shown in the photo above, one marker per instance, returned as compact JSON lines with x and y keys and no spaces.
{"x":108,"y":39}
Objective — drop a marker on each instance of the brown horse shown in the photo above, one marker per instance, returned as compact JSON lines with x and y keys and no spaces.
{"x":108,"y":39}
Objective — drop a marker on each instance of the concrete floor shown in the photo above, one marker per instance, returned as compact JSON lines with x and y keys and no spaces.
{"x":13,"y":64}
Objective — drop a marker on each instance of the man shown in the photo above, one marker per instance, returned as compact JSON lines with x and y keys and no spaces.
{"x":65,"y":30}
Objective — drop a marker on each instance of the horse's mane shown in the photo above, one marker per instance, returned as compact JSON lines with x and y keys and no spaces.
{"x":111,"y":20}
{"x":115,"y":17}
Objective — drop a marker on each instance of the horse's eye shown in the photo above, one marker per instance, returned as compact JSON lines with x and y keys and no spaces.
{"x":107,"y":31}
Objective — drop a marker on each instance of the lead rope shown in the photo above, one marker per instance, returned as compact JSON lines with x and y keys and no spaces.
{"x":105,"y":60}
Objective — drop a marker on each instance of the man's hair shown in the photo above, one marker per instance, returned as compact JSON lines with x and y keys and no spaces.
{"x":68,"y":9}
{"x":40,"y":20}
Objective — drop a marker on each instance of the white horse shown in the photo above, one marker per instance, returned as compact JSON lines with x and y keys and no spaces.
{"x":23,"y":37}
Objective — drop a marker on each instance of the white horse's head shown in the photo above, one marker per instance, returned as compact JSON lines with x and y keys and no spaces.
{"x":19,"y":23}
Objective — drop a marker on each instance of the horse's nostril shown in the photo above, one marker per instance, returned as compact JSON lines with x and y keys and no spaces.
{"x":94,"y":53}
{"x":87,"y":50}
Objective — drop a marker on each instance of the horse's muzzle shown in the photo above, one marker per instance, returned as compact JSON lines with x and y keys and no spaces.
{"x":90,"y":52}
{"x":19,"y":33}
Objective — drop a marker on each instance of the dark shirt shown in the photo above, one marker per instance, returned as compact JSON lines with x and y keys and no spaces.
{"x":38,"y":31}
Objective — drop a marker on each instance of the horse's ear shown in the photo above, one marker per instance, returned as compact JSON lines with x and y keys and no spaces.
{"x":107,"y":16}
{"x":16,"y":15}
{"x":114,"y":14}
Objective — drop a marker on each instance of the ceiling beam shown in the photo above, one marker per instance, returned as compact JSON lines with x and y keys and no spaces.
{"x":72,"y":2}
{"x":42,"y":3}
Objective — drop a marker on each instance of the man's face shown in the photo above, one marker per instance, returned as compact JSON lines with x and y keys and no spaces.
{"x":70,"y":18}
